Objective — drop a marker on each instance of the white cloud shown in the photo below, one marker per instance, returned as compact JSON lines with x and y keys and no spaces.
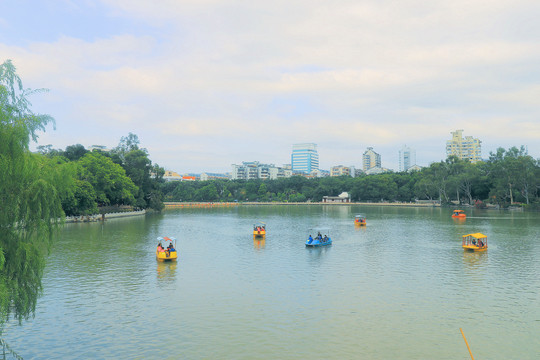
{"x":214,"y":75}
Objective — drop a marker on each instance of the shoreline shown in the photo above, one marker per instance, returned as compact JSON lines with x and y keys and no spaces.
{"x":177,"y":205}
{"x":102,"y":217}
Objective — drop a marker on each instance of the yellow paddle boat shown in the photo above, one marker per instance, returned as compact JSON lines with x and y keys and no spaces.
{"x":460,"y":214}
{"x":475,"y":242}
{"x":259,"y":230}
{"x":166,"y":249}
{"x":360,"y":220}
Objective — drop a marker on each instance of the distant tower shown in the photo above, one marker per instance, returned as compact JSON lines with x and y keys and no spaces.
{"x":370,"y":159}
{"x":407,"y":158}
{"x":305,"y":158}
{"x":464,"y":148}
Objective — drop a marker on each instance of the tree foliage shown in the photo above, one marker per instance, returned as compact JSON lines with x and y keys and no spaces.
{"x":30,"y":188}
{"x":109,"y":180}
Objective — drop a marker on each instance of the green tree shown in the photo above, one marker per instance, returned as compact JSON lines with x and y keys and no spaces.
{"x":139,"y":169}
{"x":127,"y":144}
{"x":31,"y":207}
{"x":514,"y":174}
{"x":82,"y":201}
{"x":75,"y":152}
{"x":263,"y":192}
{"x":466,"y":180}
{"x":207,"y":193}
{"x":184,"y":191}
{"x":109,"y":180}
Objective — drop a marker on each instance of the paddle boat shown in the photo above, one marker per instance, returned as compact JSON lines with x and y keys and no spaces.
{"x":475,"y":242}
{"x":259,"y":230}
{"x":166,"y":249}
{"x":360,"y":220}
{"x":460,"y":214}
{"x":322,"y":238}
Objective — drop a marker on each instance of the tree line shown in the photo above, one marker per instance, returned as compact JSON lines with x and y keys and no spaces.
{"x":508,"y":177}
{"x":101,"y":180}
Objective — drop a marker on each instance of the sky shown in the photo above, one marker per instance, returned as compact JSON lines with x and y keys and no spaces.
{"x":208,"y":83}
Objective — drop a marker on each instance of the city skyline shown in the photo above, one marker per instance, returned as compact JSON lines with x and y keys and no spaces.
{"x":208,"y":84}
{"x":375,"y":160}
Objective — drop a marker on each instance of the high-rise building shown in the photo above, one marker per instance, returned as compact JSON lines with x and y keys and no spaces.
{"x":305,"y":158}
{"x":464,"y":148}
{"x":371,"y":159}
{"x":407,"y":158}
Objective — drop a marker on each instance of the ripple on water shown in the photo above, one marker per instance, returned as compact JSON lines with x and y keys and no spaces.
{"x":400,"y":288}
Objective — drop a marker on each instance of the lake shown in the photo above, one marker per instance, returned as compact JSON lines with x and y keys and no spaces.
{"x":399,"y":288}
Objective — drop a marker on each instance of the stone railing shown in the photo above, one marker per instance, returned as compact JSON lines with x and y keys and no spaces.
{"x":98,"y":217}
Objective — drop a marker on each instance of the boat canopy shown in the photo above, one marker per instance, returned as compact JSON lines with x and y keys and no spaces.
{"x":360,"y":216}
{"x":476,"y":235}
{"x":259,"y":224}
{"x":166,"y":238}
{"x":322,"y":230}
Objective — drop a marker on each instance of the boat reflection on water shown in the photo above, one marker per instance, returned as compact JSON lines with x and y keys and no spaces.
{"x":259,"y":243}
{"x":166,"y":271}
{"x":317,"y":252}
{"x":316,"y":256}
{"x":459,"y":220}
{"x":360,"y":228}
{"x":474,"y":260}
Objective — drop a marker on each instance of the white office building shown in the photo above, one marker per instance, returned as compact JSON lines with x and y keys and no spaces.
{"x":407,"y":158}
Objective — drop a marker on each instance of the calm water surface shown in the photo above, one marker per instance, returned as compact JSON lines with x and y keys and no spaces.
{"x":399,"y":288}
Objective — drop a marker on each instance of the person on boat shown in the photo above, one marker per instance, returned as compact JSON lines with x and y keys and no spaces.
{"x":310,"y":238}
{"x":325,"y":238}
{"x":160,"y":248}
{"x":170,"y":247}
{"x":480,"y":243}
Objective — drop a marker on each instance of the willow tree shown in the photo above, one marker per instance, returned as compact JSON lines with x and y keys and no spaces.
{"x":29,"y":202}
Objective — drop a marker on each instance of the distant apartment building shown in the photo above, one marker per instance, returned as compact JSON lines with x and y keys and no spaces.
{"x":247,"y":171}
{"x":279,"y":173}
{"x":407,"y":158}
{"x":341,"y":170}
{"x":370,"y":159}
{"x":250,"y":170}
{"x":171,"y":176}
{"x":191,"y":177}
{"x":464,"y":148}
{"x":213,"y":176}
{"x":318,"y":173}
{"x":305,"y":158}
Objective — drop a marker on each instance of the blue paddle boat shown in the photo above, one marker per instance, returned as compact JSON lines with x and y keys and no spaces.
{"x":319,"y":237}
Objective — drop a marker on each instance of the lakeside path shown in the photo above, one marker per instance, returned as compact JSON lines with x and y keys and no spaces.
{"x":176,"y":205}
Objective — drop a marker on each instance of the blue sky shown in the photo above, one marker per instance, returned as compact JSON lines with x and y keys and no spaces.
{"x":208,"y":83}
